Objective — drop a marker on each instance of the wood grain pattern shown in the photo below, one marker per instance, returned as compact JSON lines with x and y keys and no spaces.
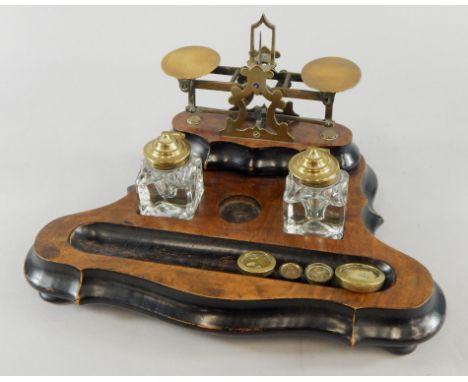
{"x":413,"y":286}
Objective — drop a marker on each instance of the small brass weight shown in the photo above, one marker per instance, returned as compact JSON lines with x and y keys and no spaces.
{"x":260,"y":77}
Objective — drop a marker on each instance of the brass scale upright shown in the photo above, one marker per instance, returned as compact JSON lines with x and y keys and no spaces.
{"x":230,"y":263}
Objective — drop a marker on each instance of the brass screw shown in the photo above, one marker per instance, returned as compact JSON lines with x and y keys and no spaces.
{"x":194,"y":120}
{"x":328,"y":134}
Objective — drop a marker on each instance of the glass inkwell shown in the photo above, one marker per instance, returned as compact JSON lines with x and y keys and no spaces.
{"x":314,"y":200}
{"x":170,"y":181}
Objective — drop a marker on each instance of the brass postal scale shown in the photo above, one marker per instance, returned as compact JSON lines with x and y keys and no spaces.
{"x":247,"y":219}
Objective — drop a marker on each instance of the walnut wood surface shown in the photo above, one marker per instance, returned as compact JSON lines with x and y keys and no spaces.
{"x":305,"y":134}
{"x":412,"y":288}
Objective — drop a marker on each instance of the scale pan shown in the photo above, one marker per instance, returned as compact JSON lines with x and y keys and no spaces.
{"x":190,"y":62}
{"x":331,"y":74}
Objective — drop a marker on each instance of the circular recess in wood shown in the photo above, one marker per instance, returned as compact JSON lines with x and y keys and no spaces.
{"x":239,"y":209}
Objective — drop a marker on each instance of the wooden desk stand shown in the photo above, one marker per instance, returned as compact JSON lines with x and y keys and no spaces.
{"x":186,"y":271}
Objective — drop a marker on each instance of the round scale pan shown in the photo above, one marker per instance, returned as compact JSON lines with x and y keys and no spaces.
{"x":190,"y":62}
{"x":331,"y":74}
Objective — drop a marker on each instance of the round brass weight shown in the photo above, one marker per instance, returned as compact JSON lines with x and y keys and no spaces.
{"x":190,"y":62}
{"x":258,"y":263}
{"x":331,"y":74}
{"x":361,"y":278}
{"x":318,"y":273}
{"x":290,"y":271}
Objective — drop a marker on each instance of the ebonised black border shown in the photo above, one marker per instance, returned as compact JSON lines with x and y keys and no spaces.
{"x":268,"y":161}
{"x":396,"y":330}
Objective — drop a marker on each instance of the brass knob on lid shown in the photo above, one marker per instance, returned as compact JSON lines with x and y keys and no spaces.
{"x":170,"y":150}
{"x":315,"y":167}
{"x":190,"y":62}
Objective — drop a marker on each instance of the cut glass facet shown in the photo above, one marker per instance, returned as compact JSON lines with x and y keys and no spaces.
{"x":315,"y":211}
{"x":172,"y":193}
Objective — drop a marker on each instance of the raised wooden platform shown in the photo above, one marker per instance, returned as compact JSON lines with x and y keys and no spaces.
{"x":305,"y":134}
{"x":186,"y":271}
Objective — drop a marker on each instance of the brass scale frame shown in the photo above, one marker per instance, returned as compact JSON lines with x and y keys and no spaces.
{"x":251,"y":80}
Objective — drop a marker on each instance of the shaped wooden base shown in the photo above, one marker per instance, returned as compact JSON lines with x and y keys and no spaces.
{"x":185,"y":271}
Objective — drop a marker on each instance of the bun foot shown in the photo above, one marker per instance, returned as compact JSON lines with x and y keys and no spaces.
{"x":49,"y":298}
{"x":401,"y":350}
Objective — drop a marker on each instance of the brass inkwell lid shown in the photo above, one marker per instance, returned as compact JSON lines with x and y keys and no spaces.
{"x":170,"y":150}
{"x":315,"y":167}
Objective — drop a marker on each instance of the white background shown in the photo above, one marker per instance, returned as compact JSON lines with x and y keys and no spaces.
{"x":81,"y":91}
